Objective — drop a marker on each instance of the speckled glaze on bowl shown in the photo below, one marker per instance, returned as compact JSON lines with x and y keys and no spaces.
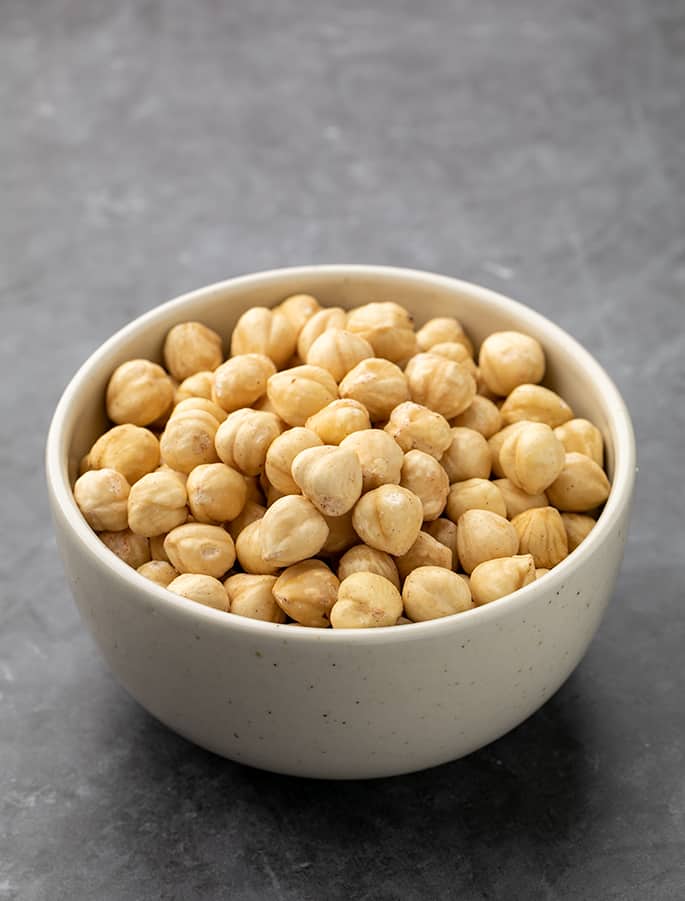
{"x":326,"y":703}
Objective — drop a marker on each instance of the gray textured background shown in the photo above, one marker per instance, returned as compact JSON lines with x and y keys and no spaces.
{"x":148,"y":148}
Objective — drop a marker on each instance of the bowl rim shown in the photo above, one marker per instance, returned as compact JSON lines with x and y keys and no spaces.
{"x":63,"y":500}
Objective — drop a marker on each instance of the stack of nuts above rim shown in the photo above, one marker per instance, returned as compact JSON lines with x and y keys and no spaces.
{"x":341,"y":468}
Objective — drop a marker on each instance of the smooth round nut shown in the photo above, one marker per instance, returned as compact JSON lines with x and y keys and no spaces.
{"x":158,"y":571}
{"x":445,"y":531}
{"x":281,"y":453}
{"x":509,"y":359}
{"x":578,"y":526}
{"x":292,"y":529}
{"x":467,"y":457}
{"x":516,"y":500}
{"x":442,"y":385}
{"x":331,"y":477}
{"x":377,"y":384}
{"x":483,"y":535}
{"x":263,"y":331}
{"x":542,"y":534}
{"x":457,"y":352}
{"x":248,"y":546}
{"x":387,"y":327}
{"x":474,"y":494}
{"x":131,"y":450}
{"x":242,"y":441}
{"x":197,"y":385}
{"x":495,"y":579}
{"x":252,"y":596}
{"x":482,"y":416}
{"x":216,"y":493}
{"x":415,"y":427}
{"x":495,"y":444}
{"x":341,"y":534}
{"x":138,"y":392}
{"x":157,"y":504}
{"x":580,"y":486}
{"x":379,"y":455}
{"x":426,"y":551}
{"x":200,"y":588}
{"x":388,"y":518}
{"x":198,"y":403}
{"x":532,"y":458}
{"x":535,"y":404}
{"x":364,"y":559}
{"x":132,"y":549}
{"x":102,"y":497}
{"x":338,"y":351}
{"x":300,"y":392}
{"x":199,"y":548}
{"x":298,"y":308}
{"x":241,"y":381}
{"x":251,"y":512}
{"x":366,"y":600}
{"x":582,"y":437}
{"x":334,"y":422}
{"x":307,"y":592}
{"x":442,"y":329}
{"x":431,"y":592}
{"x":328,"y":317}
{"x":188,"y":440}
{"x":191,"y":347}
{"x":425,"y":477}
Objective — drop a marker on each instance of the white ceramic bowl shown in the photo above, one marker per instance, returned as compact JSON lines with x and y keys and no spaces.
{"x":341,"y":704}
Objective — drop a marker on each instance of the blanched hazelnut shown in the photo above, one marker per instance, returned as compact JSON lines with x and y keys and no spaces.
{"x":517,"y":500}
{"x":542,"y":534}
{"x":158,"y":571}
{"x":467,"y":457}
{"x":387,"y":327}
{"x":157,"y":504}
{"x":138,"y":392}
{"x":380,"y":456}
{"x":366,"y":600}
{"x":216,"y":493}
{"x":243,"y":440}
{"x":102,"y":497}
{"x":198,"y":548}
{"x":578,"y":526}
{"x":263,"y":331}
{"x":440,"y":384}
{"x":281,"y":453}
{"x":474,"y":494}
{"x":454,"y":351}
{"x":388,"y":518}
{"x":251,"y":512}
{"x":301,"y":392}
{"x":307,"y":593}
{"x":157,"y":552}
{"x":132,"y":549}
{"x":532,"y":458}
{"x":431,"y":592}
{"x":298,"y":308}
{"x":191,"y":347}
{"x":199,"y":403}
{"x":129,"y":449}
{"x":415,"y":427}
{"x":582,"y":437}
{"x":535,"y":404}
{"x":425,"y":477}
{"x":362,"y":558}
{"x":581,"y":485}
{"x":197,"y":385}
{"x":426,"y":551}
{"x":252,"y":596}
{"x":241,"y":381}
{"x":445,"y":531}
{"x":200,"y":588}
{"x":292,"y":529}
{"x":442,"y":329}
{"x":495,"y":579}
{"x":341,"y":534}
{"x":249,"y":550}
{"x":338,"y":351}
{"x":483,"y":535}
{"x":377,"y":384}
{"x":482,"y":416}
{"x":326,"y":318}
{"x":337,"y":420}
{"x":188,"y":440}
{"x":331,"y":477}
{"x":509,"y":359}
{"x":495,"y":444}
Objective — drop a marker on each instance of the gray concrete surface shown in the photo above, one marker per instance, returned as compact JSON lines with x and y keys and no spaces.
{"x":147,"y":148}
